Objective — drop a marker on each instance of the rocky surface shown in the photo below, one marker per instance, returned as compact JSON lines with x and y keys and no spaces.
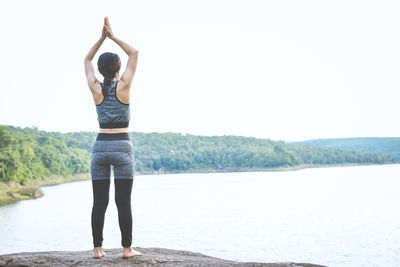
{"x":150,"y":257}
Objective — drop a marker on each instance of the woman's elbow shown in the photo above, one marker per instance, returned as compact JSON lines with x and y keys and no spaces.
{"x":134,"y":53}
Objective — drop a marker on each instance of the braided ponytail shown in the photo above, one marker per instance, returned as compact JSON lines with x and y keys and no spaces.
{"x":106,"y":82}
{"x":108,"y":65}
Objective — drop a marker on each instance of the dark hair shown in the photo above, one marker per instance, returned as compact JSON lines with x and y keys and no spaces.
{"x":108,"y":65}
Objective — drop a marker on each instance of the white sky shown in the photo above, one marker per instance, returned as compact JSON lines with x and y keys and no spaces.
{"x":289,"y":70}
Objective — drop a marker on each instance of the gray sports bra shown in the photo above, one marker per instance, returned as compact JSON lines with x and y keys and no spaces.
{"x":111,"y":112}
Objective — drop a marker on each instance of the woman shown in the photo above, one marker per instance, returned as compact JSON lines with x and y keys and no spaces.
{"x":113,"y":145}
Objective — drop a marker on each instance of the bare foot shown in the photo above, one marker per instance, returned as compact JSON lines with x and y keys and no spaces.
{"x":130,"y":252}
{"x":98,"y":252}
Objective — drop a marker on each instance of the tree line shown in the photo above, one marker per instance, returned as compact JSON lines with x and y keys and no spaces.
{"x":28,"y":153}
{"x":31,"y":154}
{"x":388,"y":146}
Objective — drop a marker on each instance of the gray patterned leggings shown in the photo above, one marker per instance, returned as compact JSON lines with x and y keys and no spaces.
{"x":112,"y":150}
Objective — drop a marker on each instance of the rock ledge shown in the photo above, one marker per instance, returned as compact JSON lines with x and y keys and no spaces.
{"x":151,"y":257}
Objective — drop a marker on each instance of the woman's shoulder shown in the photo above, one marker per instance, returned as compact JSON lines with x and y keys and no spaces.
{"x":121,"y":93}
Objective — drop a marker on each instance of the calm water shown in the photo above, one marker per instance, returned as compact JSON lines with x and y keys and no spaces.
{"x":343,"y":216}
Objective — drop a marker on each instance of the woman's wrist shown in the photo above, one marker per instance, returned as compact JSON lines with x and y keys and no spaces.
{"x":112,"y":37}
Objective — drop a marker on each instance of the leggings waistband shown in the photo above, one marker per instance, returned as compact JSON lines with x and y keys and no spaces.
{"x":112,"y":136}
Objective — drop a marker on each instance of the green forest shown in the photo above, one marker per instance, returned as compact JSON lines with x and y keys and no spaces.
{"x":28,"y":153}
{"x":388,"y":146}
{"x":31,"y":154}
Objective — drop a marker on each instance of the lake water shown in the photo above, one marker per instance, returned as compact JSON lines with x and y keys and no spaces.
{"x":342,"y":216}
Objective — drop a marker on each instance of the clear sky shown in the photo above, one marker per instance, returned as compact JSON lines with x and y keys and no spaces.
{"x":287,"y":70}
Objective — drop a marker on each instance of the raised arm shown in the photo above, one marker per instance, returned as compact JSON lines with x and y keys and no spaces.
{"x":89,"y":70}
{"x":129,"y":73}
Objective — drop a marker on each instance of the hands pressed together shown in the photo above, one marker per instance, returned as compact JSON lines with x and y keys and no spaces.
{"x":107,"y":32}
{"x":132,"y":53}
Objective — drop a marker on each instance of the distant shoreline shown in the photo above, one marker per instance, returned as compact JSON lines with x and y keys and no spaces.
{"x":12,"y":192}
{"x":276,"y":169}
